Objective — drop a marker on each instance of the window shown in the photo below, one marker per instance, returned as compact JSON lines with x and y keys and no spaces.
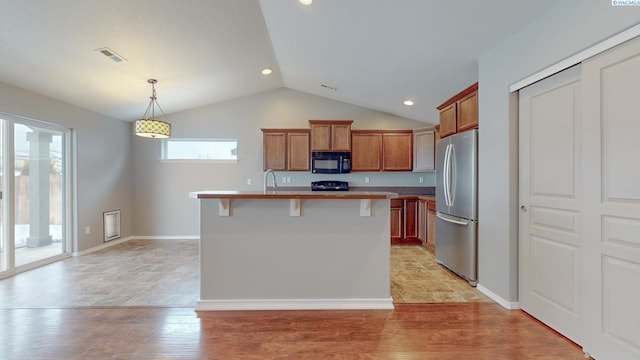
{"x":225,"y":150}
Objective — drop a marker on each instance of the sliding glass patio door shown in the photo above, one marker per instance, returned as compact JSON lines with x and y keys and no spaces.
{"x":34,"y":193}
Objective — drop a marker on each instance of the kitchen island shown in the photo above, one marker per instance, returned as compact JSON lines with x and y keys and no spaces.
{"x":286,"y":250}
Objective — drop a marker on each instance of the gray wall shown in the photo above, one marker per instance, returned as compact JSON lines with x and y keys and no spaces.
{"x":103,"y":159}
{"x":563,"y":30}
{"x":162,"y":207}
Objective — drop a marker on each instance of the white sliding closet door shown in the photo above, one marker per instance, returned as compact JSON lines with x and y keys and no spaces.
{"x":550,"y":236}
{"x":611,"y":231}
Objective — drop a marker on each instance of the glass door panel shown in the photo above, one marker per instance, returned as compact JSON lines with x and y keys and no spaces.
{"x":39,"y":193}
{"x":4,"y":248}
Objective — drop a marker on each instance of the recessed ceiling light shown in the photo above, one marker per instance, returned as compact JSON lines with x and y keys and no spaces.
{"x":266,"y":71}
{"x":408,"y":102}
{"x":305,"y":2}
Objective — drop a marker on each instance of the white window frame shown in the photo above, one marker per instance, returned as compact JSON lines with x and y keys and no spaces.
{"x":164,"y":151}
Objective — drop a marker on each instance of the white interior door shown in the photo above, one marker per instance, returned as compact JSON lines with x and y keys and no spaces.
{"x":550,"y":236}
{"x":612,"y":204}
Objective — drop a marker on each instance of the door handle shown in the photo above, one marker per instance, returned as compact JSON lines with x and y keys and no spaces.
{"x":463,"y":223}
{"x":523,"y":209}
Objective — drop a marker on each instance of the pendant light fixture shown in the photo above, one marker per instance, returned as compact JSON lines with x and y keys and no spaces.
{"x":148,"y":126}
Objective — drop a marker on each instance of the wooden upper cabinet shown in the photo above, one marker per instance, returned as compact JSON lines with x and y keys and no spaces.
{"x":460,"y":112}
{"x":366,"y":150}
{"x":274,"y":149}
{"x":467,"y":112}
{"x":298,"y":151}
{"x":397,"y":150}
{"x":341,"y":137}
{"x":382,"y":150}
{"x":330,"y":135}
{"x":448,"y":120}
{"x":286,"y":149}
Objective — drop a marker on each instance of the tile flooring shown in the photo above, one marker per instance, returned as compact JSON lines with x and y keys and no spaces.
{"x":164,"y":273}
{"x":417,"y":278}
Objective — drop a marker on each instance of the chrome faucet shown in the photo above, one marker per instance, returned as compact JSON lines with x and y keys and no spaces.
{"x":273,"y":175}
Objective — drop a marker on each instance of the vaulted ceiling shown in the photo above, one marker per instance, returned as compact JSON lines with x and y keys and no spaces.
{"x":371,"y":53}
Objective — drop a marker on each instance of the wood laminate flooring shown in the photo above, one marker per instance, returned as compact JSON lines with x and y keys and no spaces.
{"x":438,"y":331}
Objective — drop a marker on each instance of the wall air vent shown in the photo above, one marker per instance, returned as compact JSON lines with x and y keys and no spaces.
{"x":111,"y":54}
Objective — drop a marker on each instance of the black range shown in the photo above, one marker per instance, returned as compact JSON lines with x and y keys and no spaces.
{"x":329,"y":185}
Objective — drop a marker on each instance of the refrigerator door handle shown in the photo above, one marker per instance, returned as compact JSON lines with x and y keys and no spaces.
{"x":463,"y":223}
{"x":452,"y":175}
{"x":446,"y":175}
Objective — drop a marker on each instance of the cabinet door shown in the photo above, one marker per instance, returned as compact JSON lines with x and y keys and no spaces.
{"x":366,"y":153}
{"x":298,"y":151}
{"x":321,"y":137}
{"x":397,"y":151}
{"x":274,"y":151}
{"x":397,"y":219}
{"x":431,"y":224}
{"x":467,"y":113}
{"x":424,"y":151}
{"x":448,"y":121}
{"x":411,"y":219}
{"x":341,"y":137}
{"x":422,"y":221}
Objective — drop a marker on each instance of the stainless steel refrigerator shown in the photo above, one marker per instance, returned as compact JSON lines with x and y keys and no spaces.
{"x":457,"y":204}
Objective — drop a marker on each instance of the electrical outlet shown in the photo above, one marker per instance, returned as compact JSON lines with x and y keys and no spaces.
{"x":87,"y":230}
{"x":421,"y":179}
{"x":249,"y":181}
{"x":284,"y":180}
{"x":288,"y":179}
{"x":366,"y":179}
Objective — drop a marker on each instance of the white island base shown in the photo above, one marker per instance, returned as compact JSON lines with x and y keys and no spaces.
{"x":261,"y":253}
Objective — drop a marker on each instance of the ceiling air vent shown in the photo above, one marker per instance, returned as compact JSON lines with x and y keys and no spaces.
{"x":111,"y":54}
{"x":330,"y":87}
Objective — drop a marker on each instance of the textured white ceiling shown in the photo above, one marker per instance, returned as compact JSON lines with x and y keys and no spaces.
{"x":376,"y":52}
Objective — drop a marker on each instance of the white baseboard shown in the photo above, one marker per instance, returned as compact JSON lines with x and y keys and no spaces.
{"x":511,"y":305}
{"x":156,"y":237}
{"x":102,"y":246}
{"x":295,"y":304}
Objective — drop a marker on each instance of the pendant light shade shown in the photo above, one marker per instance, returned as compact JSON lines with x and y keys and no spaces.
{"x":148,"y":126}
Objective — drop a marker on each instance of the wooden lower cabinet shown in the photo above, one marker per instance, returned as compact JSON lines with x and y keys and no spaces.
{"x":397,"y":220}
{"x":410,"y":219}
{"x":404,"y":221}
{"x":431,"y":224}
{"x":422,"y":221}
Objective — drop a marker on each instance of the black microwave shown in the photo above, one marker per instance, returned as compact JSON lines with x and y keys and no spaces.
{"x":325,"y":162}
